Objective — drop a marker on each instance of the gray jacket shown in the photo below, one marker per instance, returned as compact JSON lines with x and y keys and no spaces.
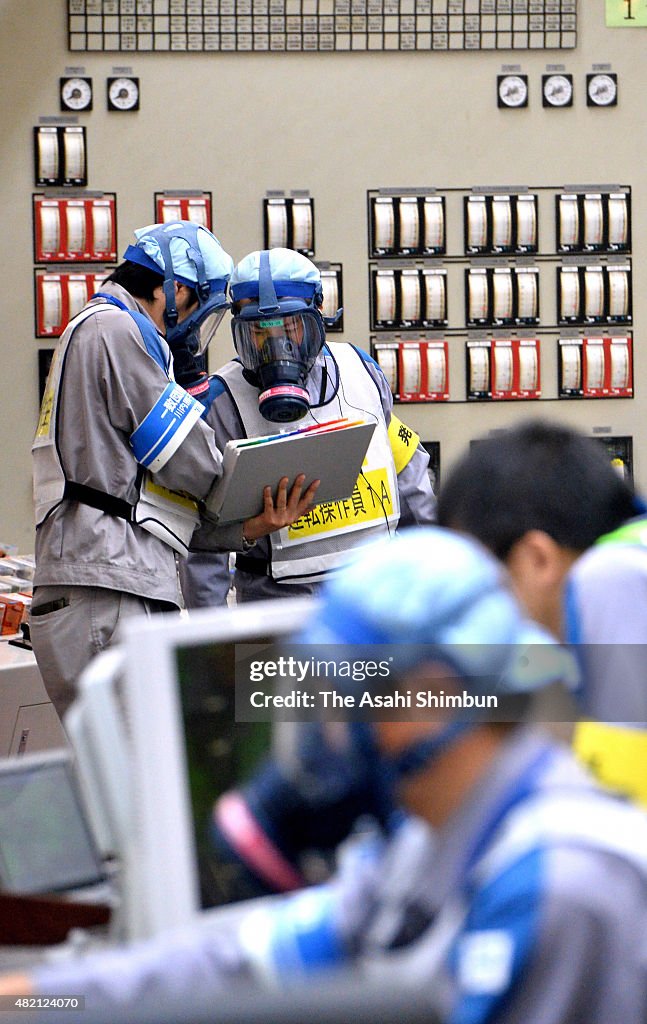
{"x":109,"y":384}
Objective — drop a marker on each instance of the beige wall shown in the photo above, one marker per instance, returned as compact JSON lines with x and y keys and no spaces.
{"x":240,"y":124}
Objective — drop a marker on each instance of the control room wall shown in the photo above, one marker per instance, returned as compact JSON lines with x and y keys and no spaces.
{"x":337,"y":125}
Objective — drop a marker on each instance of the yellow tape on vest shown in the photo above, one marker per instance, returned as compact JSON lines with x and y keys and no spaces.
{"x":174,"y":497}
{"x":616,"y":755}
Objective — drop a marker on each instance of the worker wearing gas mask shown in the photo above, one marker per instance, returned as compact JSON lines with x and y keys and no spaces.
{"x":505,"y":888}
{"x":122,"y":455}
{"x":286,"y":373}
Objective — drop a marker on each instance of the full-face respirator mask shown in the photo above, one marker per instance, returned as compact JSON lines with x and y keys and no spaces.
{"x":279,"y":339}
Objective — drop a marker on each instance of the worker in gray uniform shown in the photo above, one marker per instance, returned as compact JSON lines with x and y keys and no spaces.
{"x":506,"y":887}
{"x":605,"y":616}
{"x":122,"y":455}
{"x":286,"y":373}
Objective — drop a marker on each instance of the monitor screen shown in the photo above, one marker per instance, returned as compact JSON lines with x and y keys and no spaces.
{"x":177,"y":686}
{"x":221,"y":754}
{"x":45,"y":842}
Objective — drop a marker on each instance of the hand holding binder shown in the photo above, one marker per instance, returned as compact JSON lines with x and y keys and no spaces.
{"x":331,"y":452}
{"x":289,"y":503}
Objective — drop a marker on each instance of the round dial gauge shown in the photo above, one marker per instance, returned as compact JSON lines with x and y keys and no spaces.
{"x":601,"y":90}
{"x":512,"y":90}
{"x":557,"y":90}
{"x":76,"y":93}
{"x":123,"y":94}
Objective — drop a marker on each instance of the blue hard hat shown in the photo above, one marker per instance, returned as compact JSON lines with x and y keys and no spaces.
{"x":292,"y":274}
{"x":196,"y":254}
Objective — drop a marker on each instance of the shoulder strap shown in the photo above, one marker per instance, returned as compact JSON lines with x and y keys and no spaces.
{"x":151,"y":338}
{"x":571,"y":818}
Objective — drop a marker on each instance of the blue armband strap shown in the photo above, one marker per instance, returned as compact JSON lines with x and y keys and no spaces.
{"x":294,"y":938}
{"x":165,"y":427}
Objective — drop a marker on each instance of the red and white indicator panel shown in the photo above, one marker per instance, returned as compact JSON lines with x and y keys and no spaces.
{"x":596,"y":367}
{"x":173,"y":206}
{"x":61,"y":295}
{"x":417,"y":371}
{"x":503,"y":369}
{"x":75,"y":230}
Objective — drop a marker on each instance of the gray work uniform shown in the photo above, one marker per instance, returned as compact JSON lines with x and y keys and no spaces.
{"x":203,"y":572}
{"x":93,"y":568}
{"x":606,"y":617}
{"x":606,"y":610}
{"x":529,"y":906}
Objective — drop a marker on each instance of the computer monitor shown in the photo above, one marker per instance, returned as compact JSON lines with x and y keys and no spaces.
{"x":96,"y":727}
{"x":185,"y":748}
{"x":46,"y":844}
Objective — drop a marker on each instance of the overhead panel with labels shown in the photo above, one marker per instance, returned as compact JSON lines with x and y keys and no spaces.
{"x":319,"y":25}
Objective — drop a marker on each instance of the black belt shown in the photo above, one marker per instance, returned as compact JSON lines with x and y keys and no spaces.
{"x":100,"y":500}
{"x":254,"y":566}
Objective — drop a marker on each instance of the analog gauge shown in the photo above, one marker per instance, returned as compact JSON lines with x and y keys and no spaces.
{"x":123,"y":94}
{"x":601,"y":90}
{"x":76,"y":93}
{"x":512,"y":90}
{"x":557,"y":90}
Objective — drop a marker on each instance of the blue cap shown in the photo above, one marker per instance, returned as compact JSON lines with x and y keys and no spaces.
{"x":439,"y":596}
{"x":292,"y":275}
{"x":217,"y":264}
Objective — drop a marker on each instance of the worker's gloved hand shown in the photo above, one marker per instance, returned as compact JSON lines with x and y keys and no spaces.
{"x":269,"y":838}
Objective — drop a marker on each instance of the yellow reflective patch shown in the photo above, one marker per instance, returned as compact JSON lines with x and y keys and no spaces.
{"x":175,"y":497}
{"x":47,"y":405}
{"x":616,"y":755}
{"x":403,"y":441}
{"x":371,"y":501}
{"x":45,"y":414}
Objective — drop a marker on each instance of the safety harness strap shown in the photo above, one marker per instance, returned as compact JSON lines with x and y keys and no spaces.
{"x":100,"y":500}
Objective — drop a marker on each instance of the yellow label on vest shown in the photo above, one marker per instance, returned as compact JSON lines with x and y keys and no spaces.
{"x":370,"y":502}
{"x":616,"y":755}
{"x":403,"y":441}
{"x":175,"y":497}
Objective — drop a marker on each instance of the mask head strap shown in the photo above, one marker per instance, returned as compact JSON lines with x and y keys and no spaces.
{"x":170,"y":313}
{"x":267,"y":300}
{"x":190,"y":235}
{"x":193,"y":253}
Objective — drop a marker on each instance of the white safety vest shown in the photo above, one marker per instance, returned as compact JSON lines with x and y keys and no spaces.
{"x":319,"y":541}
{"x":168,"y":515}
